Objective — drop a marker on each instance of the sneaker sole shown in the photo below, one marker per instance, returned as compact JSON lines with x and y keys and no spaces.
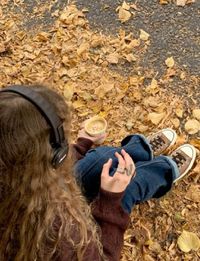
{"x":191,"y":163}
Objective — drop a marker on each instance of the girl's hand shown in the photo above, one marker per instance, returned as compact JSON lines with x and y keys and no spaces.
{"x":95,"y":139}
{"x":123,"y":175}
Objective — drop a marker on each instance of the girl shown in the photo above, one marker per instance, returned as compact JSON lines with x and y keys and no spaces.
{"x":43,"y":215}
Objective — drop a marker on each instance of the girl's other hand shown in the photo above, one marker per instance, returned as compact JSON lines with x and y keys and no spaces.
{"x":122,"y":177}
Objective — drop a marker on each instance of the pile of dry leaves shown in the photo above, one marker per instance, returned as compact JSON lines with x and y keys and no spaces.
{"x":76,"y":61}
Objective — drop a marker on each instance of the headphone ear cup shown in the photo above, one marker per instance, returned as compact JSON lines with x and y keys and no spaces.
{"x":59,"y":156}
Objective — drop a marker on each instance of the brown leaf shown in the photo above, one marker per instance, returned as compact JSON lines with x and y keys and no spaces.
{"x":164,"y":2}
{"x":193,"y":193}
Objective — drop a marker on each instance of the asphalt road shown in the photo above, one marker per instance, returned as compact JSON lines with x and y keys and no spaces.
{"x":174,"y":31}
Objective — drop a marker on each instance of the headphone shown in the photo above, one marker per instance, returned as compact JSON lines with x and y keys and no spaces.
{"x":57,"y":137}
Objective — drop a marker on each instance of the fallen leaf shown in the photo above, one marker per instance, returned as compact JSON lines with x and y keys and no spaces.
{"x":195,"y":142}
{"x":188,"y":241}
{"x":153,"y":88}
{"x":181,"y":2}
{"x":103,"y":89}
{"x":113,"y":58}
{"x":134,"y":6}
{"x":196,"y":114}
{"x":83,"y":48}
{"x":192,"y":126}
{"x":144,"y":35}
{"x":43,"y":36}
{"x":175,"y":122}
{"x":170,"y":62}
{"x":130,"y":57}
{"x":148,"y":258}
{"x":163,"y":2}
{"x":155,"y":118}
{"x":68,"y":91}
{"x":126,"y":6}
{"x":124,"y":15}
{"x":179,"y":112}
{"x":78,"y":104}
{"x":193,"y":193}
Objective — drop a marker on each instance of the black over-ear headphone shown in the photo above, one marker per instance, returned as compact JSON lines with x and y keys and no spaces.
{"x":57,"y":137}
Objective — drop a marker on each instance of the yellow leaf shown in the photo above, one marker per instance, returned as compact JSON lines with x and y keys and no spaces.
{"x":181,"y":2}
{"x":124,"y":15}
{"x":125,"y":6}
{"x":113,"y":58}
{"x":153,"y":88}
{"x":179,"y":112}
{"x":134,"y":6}
{"x":83,"y":48}
{"x":143,"y":128}
{"x":78,"y":104}
{"x":155,"y":118}
{"x":175,"y":122}
{"x":188,"y":241}
{"x":130,"y":57}
{"x":169,"y":62}
{"x":144,"y":35}
{"x":103,"y":89}
{"x":43,"y":36}
{"x":192,"y":126}
{"x":196,"y":114}
{"x":68,"y":91}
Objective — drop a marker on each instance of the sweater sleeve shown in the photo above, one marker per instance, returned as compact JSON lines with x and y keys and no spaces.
{"x":113,"y":221}
{"x":79,"y":149}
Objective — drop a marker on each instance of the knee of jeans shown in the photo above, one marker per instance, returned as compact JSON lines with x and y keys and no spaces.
{"x":127,"y":139}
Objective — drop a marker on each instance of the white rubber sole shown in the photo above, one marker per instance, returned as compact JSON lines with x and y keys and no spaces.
{"x":193,"y":153}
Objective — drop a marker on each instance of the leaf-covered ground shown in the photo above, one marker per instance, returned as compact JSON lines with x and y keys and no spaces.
{"x":79,"y":62}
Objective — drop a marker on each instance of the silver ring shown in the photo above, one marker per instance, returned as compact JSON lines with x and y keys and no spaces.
{"x":121,"y":170}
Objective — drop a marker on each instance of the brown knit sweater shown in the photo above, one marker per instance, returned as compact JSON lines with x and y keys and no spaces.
{"x":108,"y":213}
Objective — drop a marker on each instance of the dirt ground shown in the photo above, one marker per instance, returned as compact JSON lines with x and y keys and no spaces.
{"x":140,"y":82}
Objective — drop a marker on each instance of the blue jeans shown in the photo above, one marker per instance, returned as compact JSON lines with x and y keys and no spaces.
{"x":154,"y":176}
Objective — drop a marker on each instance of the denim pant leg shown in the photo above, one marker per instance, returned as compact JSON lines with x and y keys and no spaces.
{"x":153,"y":179}
{"x":88,"y":170}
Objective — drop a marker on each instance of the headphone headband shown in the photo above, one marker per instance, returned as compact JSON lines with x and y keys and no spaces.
{"x":44,"y":107}
{"x":57,"y":138}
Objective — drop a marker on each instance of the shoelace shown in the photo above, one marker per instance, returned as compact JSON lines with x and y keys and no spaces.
{"x":157,"y":142}
{"x":179,"y":159}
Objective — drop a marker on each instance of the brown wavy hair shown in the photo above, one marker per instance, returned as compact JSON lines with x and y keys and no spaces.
{"x":40,"y":207}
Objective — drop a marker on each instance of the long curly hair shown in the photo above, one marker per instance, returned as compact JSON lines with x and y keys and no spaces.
{"x":40,"y":207}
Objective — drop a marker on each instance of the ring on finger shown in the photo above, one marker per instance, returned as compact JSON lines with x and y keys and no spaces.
{"x":129,"y":171}
{"x":121,"y":170}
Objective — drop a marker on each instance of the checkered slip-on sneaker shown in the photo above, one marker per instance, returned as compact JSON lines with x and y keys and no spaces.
{"x":184,"y":156}
{"x":162,"y":140}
